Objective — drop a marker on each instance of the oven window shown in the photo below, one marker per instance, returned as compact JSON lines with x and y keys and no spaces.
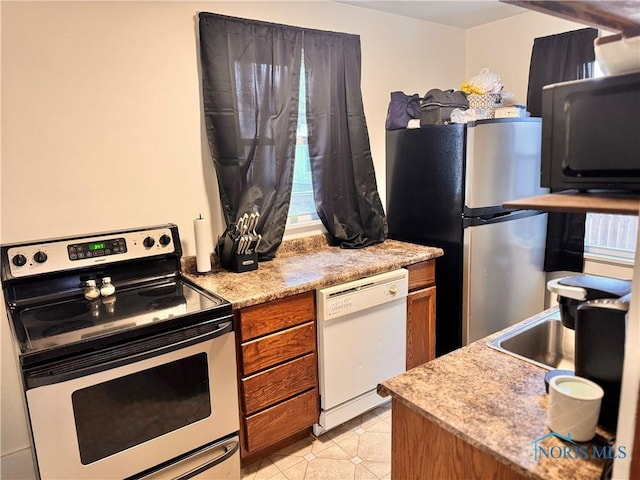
{"x":127,"y":411}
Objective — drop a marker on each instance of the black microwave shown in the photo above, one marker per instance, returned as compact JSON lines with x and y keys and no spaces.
{"x":591,"y":134}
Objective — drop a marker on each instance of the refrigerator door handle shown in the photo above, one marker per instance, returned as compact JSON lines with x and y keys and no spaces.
{"x":491,"y":211}
{"x":504,"y":217}
{"x":488,"y":212}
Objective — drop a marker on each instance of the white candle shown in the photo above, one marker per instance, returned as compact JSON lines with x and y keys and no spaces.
{"x":203,"y":253}
{"x":574,"y":407}
{"x":577,"y":389}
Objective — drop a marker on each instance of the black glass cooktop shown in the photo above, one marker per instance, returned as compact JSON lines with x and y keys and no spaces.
{"x":75,"y":320}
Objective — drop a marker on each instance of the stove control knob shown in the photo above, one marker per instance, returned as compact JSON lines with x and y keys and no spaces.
{"x":148,"y":242}
{"x":40,"y":257}
{"x":19,"y":260}
{"x":165,"y":240}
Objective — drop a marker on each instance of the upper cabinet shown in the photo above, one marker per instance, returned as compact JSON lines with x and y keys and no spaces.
{"x":614,"y":16}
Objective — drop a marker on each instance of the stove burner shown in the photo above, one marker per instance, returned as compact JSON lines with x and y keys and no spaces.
{"x":63,"y":311}
{"x":64,"y":327}
{"x":165,"y":302}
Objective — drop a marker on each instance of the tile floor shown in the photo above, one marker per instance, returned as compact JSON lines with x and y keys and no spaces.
{"x":359,"y":449}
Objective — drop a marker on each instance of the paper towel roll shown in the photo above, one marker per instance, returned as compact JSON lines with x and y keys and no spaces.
{"x":203,"y":255}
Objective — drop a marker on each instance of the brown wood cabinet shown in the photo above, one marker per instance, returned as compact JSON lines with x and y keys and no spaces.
{"x":278,"y":362}
{"x":278,"y":368}
{"x":421,"y":314}
{"x":422,"y":449}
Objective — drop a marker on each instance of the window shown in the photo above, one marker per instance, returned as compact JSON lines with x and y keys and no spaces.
{"x":611,"y":235}
{"x":250,"y":170}
{"x":302,"y":208}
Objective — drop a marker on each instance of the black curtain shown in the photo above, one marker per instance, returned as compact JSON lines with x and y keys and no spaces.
{"x":344,"y":182}
{"x":250,"y":77}
{"x":560,"y":58}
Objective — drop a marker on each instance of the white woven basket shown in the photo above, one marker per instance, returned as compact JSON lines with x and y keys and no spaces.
{"x":487,"y":102}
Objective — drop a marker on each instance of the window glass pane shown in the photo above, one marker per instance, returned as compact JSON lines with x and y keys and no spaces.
{"x":302,"y":208}
{"x":614,"y":235}
{"x":127,"y":411}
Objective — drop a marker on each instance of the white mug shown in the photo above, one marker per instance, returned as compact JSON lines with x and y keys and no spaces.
{"x":574,"y":407}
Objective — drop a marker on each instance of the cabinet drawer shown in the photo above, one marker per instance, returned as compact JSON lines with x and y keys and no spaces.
{"x":269,"y":317}
{"x":276,"y":384}
{"x":280,"y":421}
{"x":422,"y":274}
{"x":278,"y":347}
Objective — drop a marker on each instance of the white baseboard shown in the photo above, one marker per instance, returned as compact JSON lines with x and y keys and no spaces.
{"x":348,"y":410}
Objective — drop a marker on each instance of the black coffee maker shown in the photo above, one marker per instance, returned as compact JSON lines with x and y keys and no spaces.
{"x":596,"y":308}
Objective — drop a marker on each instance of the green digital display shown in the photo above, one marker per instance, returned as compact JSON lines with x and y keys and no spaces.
{"x":96,"y":246}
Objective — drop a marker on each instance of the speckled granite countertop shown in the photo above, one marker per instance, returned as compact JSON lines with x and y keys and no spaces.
{"x":493,"y":401}
{"x":303,"y":265}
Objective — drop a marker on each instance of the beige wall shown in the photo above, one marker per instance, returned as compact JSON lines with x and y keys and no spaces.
{"x":101,"y":106}
{"x":626,"y":431}
{"x":504,"y":47}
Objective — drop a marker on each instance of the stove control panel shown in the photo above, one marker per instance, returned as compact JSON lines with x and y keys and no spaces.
{"x":112,"y":246}
{"x":64,"y":254}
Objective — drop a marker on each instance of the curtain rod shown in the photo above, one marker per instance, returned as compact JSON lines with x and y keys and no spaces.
{"x":273,"y":24}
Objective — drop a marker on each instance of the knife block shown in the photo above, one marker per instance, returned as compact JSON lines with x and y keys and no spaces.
{"x":229,"y":258}
{"x":244,"y":262}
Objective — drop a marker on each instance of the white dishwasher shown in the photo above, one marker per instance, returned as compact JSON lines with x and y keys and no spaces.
{"x":361,"y":342}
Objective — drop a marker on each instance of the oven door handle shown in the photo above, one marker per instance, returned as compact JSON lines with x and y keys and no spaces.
{"x":141,"y":350}
{"x":229,"y":449}
{"x":221,"y":329}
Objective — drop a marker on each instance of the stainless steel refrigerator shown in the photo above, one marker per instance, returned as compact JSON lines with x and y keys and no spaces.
{"x":445,"y":187}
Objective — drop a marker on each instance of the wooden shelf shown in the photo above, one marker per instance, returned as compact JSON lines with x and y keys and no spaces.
{"x":619,"y":16}
{"x":578,"y":202}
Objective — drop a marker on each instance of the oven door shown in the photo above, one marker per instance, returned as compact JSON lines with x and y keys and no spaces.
{"x":147,"y":409}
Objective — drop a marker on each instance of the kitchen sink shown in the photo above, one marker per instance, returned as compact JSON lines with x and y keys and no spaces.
{"x":543,"y":341}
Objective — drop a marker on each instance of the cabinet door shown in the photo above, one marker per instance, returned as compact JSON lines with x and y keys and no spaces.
{"x":421,"y":449}
{"x":421,"y":313}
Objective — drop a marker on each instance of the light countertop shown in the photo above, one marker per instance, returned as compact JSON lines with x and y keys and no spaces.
{"x":303,"y":265}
